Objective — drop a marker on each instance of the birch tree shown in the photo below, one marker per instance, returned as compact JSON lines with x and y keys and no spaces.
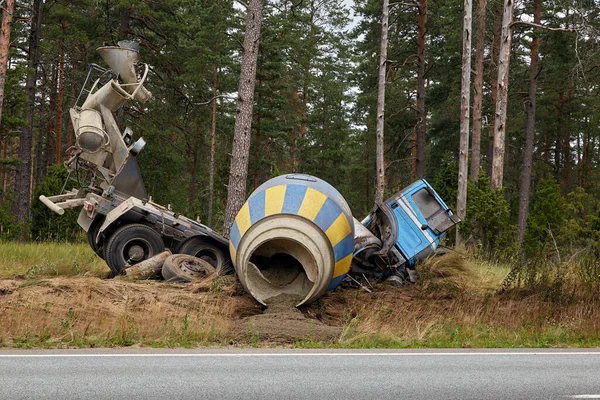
{"x":419,"y":161}
{"x":478,"y":91}
{"x":502,"y":96}
{"x":465,"y":98}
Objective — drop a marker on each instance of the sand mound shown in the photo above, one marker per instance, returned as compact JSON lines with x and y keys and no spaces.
{"x":282,"y":322}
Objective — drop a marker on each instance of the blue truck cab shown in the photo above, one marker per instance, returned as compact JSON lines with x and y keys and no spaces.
{"x":405,"y":228}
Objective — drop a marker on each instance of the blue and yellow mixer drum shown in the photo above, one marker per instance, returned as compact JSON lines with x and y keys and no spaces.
{"x":293,"y":237}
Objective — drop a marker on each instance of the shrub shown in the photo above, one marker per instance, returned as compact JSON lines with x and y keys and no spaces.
{"x":45,"y":224}
{"x":487,"y":221}
{"x":546,"y":218}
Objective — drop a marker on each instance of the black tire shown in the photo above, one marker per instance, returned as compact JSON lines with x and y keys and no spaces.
{"x":186,"y":268}
{"x":92,"y":233}
{"x":202,"y":248}
{"x":131,"y":244}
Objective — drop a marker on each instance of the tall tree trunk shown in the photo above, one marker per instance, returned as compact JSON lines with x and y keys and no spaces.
{"x":124,"y":23}
{"x":421,"y":114}
{"x":259,"y":168}
{"x":70,"y":132}
{"x":213,"y":139}
{"x":525,"y":191}
{"x":567,"y":142}
{"x":502,"y":100}
{"x":494,"y":94}
{"x":380,"y":186}
{"x":238,"y":170}
{"x":559,"y":135}
{"x":5,"y":29}
{"x":39,"y":148}
{"x":413,"y":155}
{"x":59,"y":99}
{"x":294,"y":148}
{"x":51,"y":117}
{"x":465,"y":101}
{"x":23,"y":175}
{"x":585,"y":161}
{"x":193,"y":174}
{"x":478,"y":91}
{"x":3,"y":154}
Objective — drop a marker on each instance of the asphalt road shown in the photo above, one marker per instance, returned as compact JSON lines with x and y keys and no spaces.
{"x":301,"y":374}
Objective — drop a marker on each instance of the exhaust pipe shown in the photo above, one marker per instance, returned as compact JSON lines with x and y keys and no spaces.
{"x":294,"y":237}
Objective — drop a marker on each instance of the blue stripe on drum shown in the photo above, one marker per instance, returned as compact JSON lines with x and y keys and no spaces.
{"x":327,"y":214}
{"x":294,"y":195}
{"x":256,"y":204}
{"x":335,"y":282}
{"x":344,"y":248}
{"x":234,"y":235}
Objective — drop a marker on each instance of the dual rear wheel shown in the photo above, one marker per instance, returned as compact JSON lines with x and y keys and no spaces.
{"x":133,"y":243}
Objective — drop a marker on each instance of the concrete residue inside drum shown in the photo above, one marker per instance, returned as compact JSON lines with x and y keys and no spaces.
{"x":281,"y":266}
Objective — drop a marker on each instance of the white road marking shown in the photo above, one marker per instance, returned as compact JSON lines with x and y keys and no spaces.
{"x":586,"y":396}
{"x":340,"y":354}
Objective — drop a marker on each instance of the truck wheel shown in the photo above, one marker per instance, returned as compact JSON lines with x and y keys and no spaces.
{"x":131,"y":244}
{"x":186,"y":268}
{"x":92,"y":233}
{"x":206,"y":251}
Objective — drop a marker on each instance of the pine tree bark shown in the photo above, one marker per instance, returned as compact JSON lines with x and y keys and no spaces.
{"x":421,"y":114}
{"x":502,"y":100}
{"x":213,"y":139}
{"x":5,"y":30}
{"x":380,"y":182}
{"x":478,"y":91}
{"x":23,"y":175}
{"x":525,"y":191}
{"x":465,"y":100}
{"x":238,"y":170}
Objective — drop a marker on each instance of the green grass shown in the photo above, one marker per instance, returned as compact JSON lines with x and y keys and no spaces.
{"x":49,"y":259}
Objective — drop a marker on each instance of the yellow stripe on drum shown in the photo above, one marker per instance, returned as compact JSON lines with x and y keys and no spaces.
{"x":312,"y":203}
{"x":339,"y":229}
{"x":243,"y":219}
{"x":342,"y":266}
{"x":232,"y":252}
{"x":274,"y":197}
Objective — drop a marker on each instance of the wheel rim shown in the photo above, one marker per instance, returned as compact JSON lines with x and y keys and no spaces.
{"x":136,"y":250}
{"x":193,"y":268}
{"x":210,"y":256}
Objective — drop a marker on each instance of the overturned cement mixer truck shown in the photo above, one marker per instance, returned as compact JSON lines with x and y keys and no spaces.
{"x":295,"y":235}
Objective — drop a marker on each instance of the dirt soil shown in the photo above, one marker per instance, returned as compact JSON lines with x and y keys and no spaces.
{"x":82,"y":310}
{"x":282,"y":322}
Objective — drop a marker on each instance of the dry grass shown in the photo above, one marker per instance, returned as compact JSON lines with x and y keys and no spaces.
{"x":56,"y":297}
{"x":457,"y":304}
{"x":98,"y":312}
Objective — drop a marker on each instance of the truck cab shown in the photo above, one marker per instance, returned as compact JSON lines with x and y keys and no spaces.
{"x":406,"y":228}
